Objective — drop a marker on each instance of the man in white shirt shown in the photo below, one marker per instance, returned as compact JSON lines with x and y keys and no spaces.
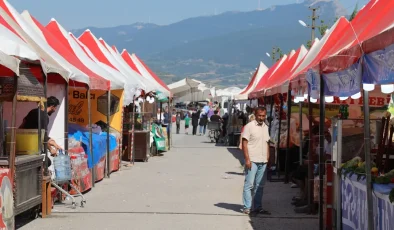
{"x":256,"y":152}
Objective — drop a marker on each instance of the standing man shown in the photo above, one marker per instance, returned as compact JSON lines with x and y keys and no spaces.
{"x":31,"y":122}
{"x":256,"y":152}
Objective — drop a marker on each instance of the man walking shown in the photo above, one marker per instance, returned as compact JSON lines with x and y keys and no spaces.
{"x":256,"y":152}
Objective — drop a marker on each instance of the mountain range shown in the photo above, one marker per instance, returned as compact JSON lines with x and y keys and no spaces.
{"x":221,"y":49}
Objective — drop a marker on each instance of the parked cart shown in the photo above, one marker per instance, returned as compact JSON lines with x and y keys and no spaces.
{"x":63,"y":176}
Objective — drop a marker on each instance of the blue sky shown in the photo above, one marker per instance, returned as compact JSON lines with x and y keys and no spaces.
{"x":74,"y":14}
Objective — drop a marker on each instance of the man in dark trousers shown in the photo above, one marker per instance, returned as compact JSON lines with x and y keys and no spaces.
{"x":195,"y":117}
{"x":31,"y":122}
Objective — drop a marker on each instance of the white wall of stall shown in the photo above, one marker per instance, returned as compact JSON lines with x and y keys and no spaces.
{"x":56,"y":120}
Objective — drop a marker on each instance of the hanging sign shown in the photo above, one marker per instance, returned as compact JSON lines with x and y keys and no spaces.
{"x":313,"y":79}
{"x":343,"y":83}
{"x":378,"y":66}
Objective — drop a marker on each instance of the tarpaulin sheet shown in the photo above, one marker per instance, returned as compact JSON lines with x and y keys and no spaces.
{"x":344,"y":83}
{"x":99,"y":143}
{"x":313,"y":79}
{"x":378,"y":66}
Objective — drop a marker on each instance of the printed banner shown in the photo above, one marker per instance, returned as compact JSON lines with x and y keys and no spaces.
{"x":378,"y":66}
{"x":78,"y":107}
{"x":344,"y":83}
{"x":354,"y":207}
{"x":313,"y":79}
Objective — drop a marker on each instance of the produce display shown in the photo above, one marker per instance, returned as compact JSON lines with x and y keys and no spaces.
{"x":357,"y":167}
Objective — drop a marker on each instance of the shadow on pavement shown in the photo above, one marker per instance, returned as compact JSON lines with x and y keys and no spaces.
{"x":232,"y":207}
{"x":237,"y":153}
{"x":235,"y":173}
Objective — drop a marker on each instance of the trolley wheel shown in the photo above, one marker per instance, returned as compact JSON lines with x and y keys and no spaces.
{"x":34,"y":213}
{"x":146,"y":159}
{"x":83,"y":202}
{"x":74,"y":205}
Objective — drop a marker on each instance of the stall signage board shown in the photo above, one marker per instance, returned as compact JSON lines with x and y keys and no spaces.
{"x":78,"y":107}
{"x":354,"y":207}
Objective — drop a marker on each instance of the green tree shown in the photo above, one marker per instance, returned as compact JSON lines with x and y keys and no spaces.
{"x":309,"y":44}
{"x":354,"y":13}
{"x":276,"y":54}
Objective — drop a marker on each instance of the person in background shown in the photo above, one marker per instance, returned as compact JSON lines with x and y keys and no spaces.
{"x":166,"y":121}
{"x":31,"y":122}
{"x":195,"y":117}
{"x":256,"y":152}
{"x":215,"y":117}
{"x":203,"y":123}
{"x":221,"y":111}
{"x":225,"y":118}
{"x":210,"y":112}
{"x":178,"y":122}
{"x":160,"y":116}
{"x":187,"y":122}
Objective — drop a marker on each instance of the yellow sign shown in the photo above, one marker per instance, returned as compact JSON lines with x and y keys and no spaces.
{"x":78,"y":107}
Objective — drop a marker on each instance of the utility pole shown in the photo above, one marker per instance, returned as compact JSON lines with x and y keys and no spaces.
{"x":314,"y":17}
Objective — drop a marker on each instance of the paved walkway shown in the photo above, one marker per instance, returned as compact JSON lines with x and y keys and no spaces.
{"x":196,"y":185}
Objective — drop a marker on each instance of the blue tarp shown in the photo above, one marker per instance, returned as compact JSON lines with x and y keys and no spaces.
{"x":378,"y":66}
{"x":99,"y":141}
{"x":343,"y":83}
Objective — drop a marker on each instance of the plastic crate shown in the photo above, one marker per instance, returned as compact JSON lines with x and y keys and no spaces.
{"x":213,"y":126}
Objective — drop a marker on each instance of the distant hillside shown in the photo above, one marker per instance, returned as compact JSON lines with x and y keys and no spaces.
{"x":223,"y":48}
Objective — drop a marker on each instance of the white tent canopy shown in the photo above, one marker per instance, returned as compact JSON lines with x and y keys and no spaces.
{"x":146,"y":75}
{"x":183,"y":85}
{"x":261,"y":70}
{"x":82,"y":55}
{"x":228,"y":92}
{"x":190,"y":90}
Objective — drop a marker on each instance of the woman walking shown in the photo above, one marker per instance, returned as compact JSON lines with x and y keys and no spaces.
{"x":203,"y":123}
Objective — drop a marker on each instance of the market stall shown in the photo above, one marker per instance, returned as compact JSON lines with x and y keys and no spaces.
{"x":23,"y":146}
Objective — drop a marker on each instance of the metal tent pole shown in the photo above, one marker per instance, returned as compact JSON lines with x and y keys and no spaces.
{"x":301,"y":132}
{"x":39,"y":130}
{"x":90,"y":137}
{"x":310,"y":156}
{"x":108,"y":158}
{"x":278,"y":142}
{"x":321,"y":153}
{"x":272,"y":108}
{"x":132,"y":160}
{"x":367,"y":152}
{"x":11,"y":160}
{"x":66,"y":118}
{"x":288,"y":137}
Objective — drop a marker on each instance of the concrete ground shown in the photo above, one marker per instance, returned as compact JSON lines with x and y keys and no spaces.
{"x":196,"y":185}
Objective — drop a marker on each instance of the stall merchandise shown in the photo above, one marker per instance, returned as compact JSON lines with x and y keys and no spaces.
{"x":81,"y":175}
{"x":159,"y":139}
{"x":81,"y":134}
